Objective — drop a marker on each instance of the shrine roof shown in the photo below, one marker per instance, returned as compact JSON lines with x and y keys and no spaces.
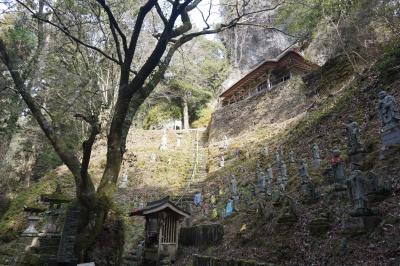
{"x":282,"y":60}
{"x":159,"y":206}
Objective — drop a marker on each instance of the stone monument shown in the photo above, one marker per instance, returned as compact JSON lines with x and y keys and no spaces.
{"x":222,"y":161}
{"x":292,"y":157}
{"x":354,"y":143}
{"x":233,"y":186}
{"x":390,"y":118}
{"x":355,"y":186}
{"x":355,"y":146}
{"x":214,"y":213}
{"x":260,"y":179}
{"x":226,"y":143}
{"x":277,"y":158}
{"x":303,"y":172}
{"x":213,"y":200}
{"x":283,"y":178}
{"x":338,"y":167}
{"x":178,"y":140}
{"x":316,"y":156}
{"x":124,"y":180}
{"x":164,"y":140}
{"x":269,"y":180}
{"x":307,"y":186}
{"x":265,"y":151}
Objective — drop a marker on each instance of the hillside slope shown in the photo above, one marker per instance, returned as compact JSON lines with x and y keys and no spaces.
{"x":290,"y":230}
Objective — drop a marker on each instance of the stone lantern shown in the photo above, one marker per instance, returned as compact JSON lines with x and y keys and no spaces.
{"x":54,"y":201}
{"x":33,"y":219}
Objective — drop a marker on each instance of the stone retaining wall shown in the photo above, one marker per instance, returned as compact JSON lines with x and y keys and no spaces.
{"x":199,"y":260}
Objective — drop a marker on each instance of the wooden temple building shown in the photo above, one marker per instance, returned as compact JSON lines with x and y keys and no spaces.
{"x":162,"y":227}
{"x":266,"y":75}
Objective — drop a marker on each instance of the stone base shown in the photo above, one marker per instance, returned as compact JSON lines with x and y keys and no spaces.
{"x":359,"y":225}
{"x":309,"y":195}
{"x":338,"y":187}
{"x":360,"y":212}
{"x":316,"y":163}
{"x":391,"y":136}
{"x":199,"y":260}
{"x":319,"y":226}
{"x":287,"y":219}
{"x":378,"y":196}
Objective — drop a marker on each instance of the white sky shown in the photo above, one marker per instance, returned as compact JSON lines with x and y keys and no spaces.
{"x":197,"y":20}
{"x":204,"y":6}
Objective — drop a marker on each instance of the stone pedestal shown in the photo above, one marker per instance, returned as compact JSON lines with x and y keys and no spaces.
{"x":391,"y":136}
{"x":308,"y":193}
{"x":319,"y":226}
{"x":316,"y":163}
{"x":359,"y":225}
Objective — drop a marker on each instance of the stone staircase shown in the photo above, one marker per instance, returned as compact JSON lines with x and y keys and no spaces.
{"x":195,"y":181}
{"x":48,"y":249}
{"x":66,"y":254}
{"x":7,"y":256}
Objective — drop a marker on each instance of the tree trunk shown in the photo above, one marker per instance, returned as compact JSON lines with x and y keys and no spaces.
{"x":185,"y":110}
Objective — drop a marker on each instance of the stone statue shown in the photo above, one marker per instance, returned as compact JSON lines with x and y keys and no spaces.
{"x":307,"y":186}
{"x":390,"y":118}
{"x":178,"y":141}
{"x":269,"y":179}
{"x":197,"y":200}
{"x":260,"y":178}
{"x":303,"y":172}
{"x":214,"y":214}
{"x":164,"y":141}
{"x":292,"y":157}
{"x":124,"y":181}
{"x":283,"y":175}
{"x":233,"y":185}
{"x":226,"y":144}
{"x":213,"y":200}
{"x":277,"y":158}
{"x":388,"y":110}
{"x":354,"y":144}
{"x":222,"y":161}
{"x":265,"y":151}
{"x":338,"y":166}
{"x":229,"y":208}
{"x":355,"y":186}
{"x":280,"y":151}
{"x":316,"y":156}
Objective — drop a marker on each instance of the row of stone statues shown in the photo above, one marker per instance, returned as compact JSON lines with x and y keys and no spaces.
{"x":357,"y":184}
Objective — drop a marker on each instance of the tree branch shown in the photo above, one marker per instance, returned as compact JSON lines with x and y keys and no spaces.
{"x":69,"y":35}
{"x":87,"y":145}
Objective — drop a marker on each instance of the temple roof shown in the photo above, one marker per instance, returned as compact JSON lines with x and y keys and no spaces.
{"x":159,"y":206}
{"x":289,"y":59}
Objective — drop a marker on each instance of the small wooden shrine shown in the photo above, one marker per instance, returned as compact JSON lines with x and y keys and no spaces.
{"x":266,"y":75}
{"x":163,"y":221}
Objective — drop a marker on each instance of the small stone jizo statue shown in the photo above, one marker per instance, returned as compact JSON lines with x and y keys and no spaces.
{"x":338,"y":166}
{"x":164,"y":140}
{"x":390,"y":118}
{"x":316,"y":156}
{"x":354,"y":143}
{"x":233,"y":185}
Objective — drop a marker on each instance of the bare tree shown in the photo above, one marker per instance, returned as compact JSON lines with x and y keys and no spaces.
{"x":135,"y":85}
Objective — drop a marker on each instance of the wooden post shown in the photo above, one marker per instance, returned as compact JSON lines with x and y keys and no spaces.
{"x":269,"y":79}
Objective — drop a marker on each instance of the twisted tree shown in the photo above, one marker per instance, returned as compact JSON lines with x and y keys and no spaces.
{"x":137,"y":79}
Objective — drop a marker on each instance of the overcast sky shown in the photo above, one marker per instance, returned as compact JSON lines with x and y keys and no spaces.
{"x":204,"y":6}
